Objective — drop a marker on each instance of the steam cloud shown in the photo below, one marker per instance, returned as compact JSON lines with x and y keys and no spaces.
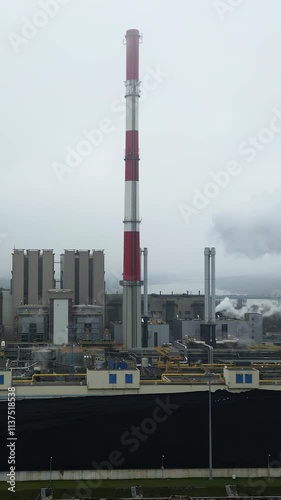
{"x":227,"y":307}
{"x":253,"y":230}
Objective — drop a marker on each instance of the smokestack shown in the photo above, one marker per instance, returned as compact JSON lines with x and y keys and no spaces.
{"x":208,"y":328}
{"x":207,"y":283}
{"x":210,"y":284}
{"x":131,"y":263}
{"x":213,"y":285}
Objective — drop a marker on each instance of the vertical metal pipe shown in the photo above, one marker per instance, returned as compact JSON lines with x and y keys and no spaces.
{"x":210,"y":431}
{"x":268,"y":465}
{"x":213,"y":285}
{"x":145,"y":299}
{"x":207,"y":283}
{"x":145,"y":278}
{"x":51,"y":466}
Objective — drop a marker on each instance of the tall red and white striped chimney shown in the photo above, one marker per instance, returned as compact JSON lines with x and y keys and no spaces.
{"x":132,"y":255}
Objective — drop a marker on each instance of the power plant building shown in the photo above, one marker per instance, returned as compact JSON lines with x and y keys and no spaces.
{"x":31,"y":324}
{"x":41,"y":312}
{"x":6,"y":313}
{"x":37,"y":311}
{"x":32,"y":277}
{"x":163,"y":307}
{"x":248,"y":330}
{"x":83,"y":272}
{"x":158,"y":334}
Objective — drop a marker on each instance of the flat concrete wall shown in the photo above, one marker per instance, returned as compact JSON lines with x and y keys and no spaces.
{"x":84,"y":276}
{"x":68,"y":269}
{"x":162,"y":331}
{"x":98,"y":277}
{"x":18,"y":279}
{"x":100,"y":379}
{"x":60,"y":321}
{"x":87,"y":475}
{"x":47,"y":274}
{"x":7,"y":312}
{"x":33,"y":257}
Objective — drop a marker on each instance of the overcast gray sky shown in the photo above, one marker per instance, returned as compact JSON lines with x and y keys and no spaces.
{"x":212,"y":103}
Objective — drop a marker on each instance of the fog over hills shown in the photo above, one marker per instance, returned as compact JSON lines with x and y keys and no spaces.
{"x":256,"y":285}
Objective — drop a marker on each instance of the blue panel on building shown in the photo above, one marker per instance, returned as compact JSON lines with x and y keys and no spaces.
{"x":248,"y":378}
{"x":129,"y":378}
{"x":111,"y":364}
{"x":239,"y":378}
{"x":122,"y":365}
{"x":1,"y":379}
{"x":112,"y":378}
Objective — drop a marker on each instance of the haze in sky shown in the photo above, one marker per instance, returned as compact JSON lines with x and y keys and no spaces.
{"x":210,"y":130}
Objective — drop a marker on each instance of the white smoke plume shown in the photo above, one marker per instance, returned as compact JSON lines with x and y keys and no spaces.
{"x":228,"y":308}
{"x":254,"y":229}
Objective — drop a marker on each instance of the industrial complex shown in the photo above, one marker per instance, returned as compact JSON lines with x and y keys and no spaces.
{"x":75,"y":308}
{"x":86,"y":363}
{"x":39,"y":309}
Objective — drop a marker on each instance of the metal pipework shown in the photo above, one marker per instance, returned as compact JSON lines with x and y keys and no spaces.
{"x":213,"y":285}
{"x":145,"y":278}
{"x":207,"y":283}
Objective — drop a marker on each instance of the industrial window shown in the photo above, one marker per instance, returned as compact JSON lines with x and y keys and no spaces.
{"x":248,"y":378}
{"x":1,"y":379}
{"x":112,"y":378}
{"x":129,"y":378}
{"x":239,"y":378}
